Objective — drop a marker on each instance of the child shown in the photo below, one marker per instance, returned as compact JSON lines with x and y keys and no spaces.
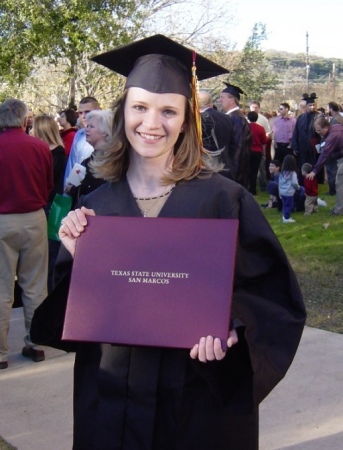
{"x":273,"y":185}
{"x":311,"y":190}
{"x":288,"y":184}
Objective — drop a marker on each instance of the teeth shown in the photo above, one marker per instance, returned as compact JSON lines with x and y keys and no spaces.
{"x":150,"y":137}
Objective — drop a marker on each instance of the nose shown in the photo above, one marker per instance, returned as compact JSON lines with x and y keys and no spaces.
{"x":152,"y":120}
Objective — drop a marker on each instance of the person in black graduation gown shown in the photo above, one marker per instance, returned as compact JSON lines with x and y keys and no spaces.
{"x":217,"y":134}
{"x":305,"y":139}
{"x":228,"y":101}
{"x":137,"y":398}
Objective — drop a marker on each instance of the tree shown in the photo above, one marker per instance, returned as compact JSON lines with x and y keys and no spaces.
{"x":66,"y":33}
{"x":68,"y":30}
{"x":251,"y":71}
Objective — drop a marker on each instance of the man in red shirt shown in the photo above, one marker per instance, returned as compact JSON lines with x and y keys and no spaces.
{"x":259,"y":141}
{"x":26,"y":180}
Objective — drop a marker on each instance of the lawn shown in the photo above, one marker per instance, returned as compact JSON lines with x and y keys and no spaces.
{"x":314,"y":246}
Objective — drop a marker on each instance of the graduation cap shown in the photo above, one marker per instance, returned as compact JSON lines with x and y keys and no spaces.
{"x":162,"y":66}
{"x":233,"y":90}
{"x":309,"y":99}
{"x":159,"y":64}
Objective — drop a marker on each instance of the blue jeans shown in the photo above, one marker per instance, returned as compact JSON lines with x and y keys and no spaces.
{"x":288,"y":203}
{"x":299,"y":196}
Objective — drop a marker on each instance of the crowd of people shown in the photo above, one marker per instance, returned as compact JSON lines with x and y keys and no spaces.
{"x":249,"y":155}
{"x":144,"y":158}
{"x":33,"y":167}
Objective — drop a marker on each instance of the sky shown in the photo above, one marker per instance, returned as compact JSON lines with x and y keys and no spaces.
{"x":287,"y":23}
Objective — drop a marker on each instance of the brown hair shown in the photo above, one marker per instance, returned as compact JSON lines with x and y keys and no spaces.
{"x":70,"y":115}
{"x":322,"y":122}
{"x":46,"y":128}
{"x":113,"y":162}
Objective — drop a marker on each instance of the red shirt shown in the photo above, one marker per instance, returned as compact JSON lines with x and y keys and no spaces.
{"x":26,"y":172}
{"x":259,"y":137}
{"x":68,"y":137}
{"x":311,"y":187}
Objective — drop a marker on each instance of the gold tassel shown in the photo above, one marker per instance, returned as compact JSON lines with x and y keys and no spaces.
{"x":195,"y":102}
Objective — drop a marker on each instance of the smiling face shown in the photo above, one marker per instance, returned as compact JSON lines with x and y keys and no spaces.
{"x":153,"y":122}
{"x":273,"y":169}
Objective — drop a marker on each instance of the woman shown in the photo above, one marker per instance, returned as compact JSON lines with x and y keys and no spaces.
{"x":68,"y":120}
{"x":98,"y":131}
{"x":45,"y":128}
{"x":160,"y":398}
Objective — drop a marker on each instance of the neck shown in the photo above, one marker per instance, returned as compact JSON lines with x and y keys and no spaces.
{"x":143,"y":184}
{"x":145,"y":175}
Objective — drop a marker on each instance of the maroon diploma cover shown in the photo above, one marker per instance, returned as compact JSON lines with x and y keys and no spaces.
{"x":160,"y":282}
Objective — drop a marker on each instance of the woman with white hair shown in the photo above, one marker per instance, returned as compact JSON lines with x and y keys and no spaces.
{"x":98,"y":130}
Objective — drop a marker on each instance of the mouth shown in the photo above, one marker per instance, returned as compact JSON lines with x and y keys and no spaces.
{"x":150,"y":137}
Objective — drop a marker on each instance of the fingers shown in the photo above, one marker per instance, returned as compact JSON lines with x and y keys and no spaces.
{"x":208,"y":349}
{"x":194,"y":351}
{"x":72,"y":226}
{"x":233,"y":338}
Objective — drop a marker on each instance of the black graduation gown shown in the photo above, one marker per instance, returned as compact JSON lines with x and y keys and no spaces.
{"x":218,"y":136}
{"x":304,"y":141}
{"x":242,"y":148}
{"x":133,"y":398}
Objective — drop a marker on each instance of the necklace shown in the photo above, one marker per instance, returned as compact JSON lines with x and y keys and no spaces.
{"x":152,"y":202}
{"x":154,"y":198}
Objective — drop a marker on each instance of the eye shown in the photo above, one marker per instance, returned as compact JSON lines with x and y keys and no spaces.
{"x":169,"y":112}
{"x":140,"y":108}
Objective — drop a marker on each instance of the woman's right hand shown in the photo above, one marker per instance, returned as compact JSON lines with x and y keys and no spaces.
{"x":72,"y":226}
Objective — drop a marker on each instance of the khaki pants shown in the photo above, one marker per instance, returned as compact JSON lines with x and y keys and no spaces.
{"x":23,"y":252}
{"x":338,"y":209}
{"x":311,"y":205}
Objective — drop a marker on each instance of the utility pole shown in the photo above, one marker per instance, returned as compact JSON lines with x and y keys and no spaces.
{"x":307,"y":63}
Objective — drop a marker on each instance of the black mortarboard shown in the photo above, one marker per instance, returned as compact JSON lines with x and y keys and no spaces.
{"x":233,"y":90}
{"x":158,"y":64}
{"x":309,"y":98}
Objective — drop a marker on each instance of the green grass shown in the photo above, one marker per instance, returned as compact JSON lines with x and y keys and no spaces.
{"x":314,"y":246}
{"x":5,"y":445}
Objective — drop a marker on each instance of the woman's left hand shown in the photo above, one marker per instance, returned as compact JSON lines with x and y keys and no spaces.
{"x":210,"y":349}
